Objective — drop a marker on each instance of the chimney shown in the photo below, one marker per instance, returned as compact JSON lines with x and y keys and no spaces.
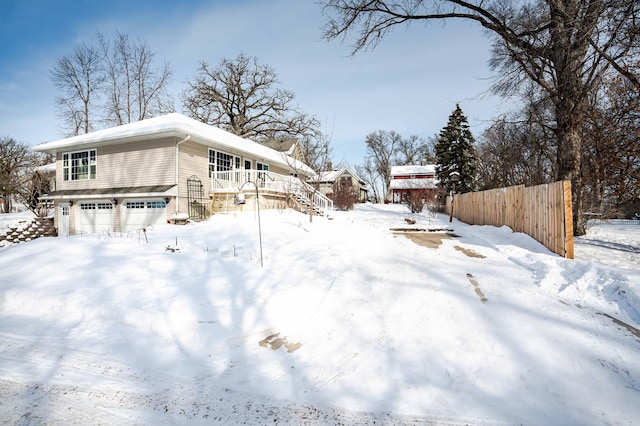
{"x":329,"y":165}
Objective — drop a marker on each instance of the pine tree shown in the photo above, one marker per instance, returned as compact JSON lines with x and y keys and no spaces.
{"x":455,"y":152}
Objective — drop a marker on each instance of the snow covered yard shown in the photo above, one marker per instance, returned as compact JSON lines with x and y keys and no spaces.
{"x":346,"y":323}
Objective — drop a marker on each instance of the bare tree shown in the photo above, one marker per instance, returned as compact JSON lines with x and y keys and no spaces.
{"x":242,"y":97}
{"x":611,"y":165}
{"x":563,"y":46}
{"x":134,"y":89}
{"x":79,"y":77}
{"x":17,"y":161}
{"x":316,"y":151}
{"x":381,"y":147}
{"x":367,"y":173}
{"x":35,"y":184}
{"x":519,"y":148}
{"x":114,"y":82}
{"x":414,"y":150}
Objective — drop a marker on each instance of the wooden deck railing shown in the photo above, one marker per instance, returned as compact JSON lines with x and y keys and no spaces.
{"x":232,"y":181}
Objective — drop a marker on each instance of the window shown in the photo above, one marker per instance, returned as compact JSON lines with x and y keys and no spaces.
{"x":160,"y":204}
{"x":135,"y":204}
{"x":80,"y":165}
{"x":87,"y":206}
{"x":261,"y":173}
{"x":345,"y":181}
{"x":222,"y":162}
{"x":156,"y":204}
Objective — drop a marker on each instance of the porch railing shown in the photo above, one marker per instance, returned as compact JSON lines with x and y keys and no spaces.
{"x":232,"y":181}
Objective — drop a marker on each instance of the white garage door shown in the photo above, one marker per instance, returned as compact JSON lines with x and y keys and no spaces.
{"x":95,"y":216}
{"x":138,"y":214}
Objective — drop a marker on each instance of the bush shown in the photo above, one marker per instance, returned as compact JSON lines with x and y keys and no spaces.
{"x":344,"y":196}
{"x":416,"y":200}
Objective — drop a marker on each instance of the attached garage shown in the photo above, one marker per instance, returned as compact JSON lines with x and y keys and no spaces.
{"x":95,"y":216}
{"x":125,"y":209}
{"x":138,"y":214}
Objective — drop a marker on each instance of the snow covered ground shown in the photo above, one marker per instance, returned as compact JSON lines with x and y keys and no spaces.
{"x":346,"y":323}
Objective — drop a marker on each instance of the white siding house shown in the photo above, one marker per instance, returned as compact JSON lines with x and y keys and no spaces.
{"x":164,"y":168}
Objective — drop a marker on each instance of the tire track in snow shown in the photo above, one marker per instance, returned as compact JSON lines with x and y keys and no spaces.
{"x":81,"y":387}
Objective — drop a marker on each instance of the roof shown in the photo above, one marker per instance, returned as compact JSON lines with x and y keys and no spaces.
{"x":413,"y":184}
{"x":47,"y":168}
{"x":286,"y":146}
{"x":332,"y":175}
{"x":413,"y":170}
{"x":146,"y":191}
{"x":174,"y":125}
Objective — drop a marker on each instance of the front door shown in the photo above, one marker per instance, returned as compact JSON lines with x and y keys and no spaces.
{"x":247,"y":171}
{"x":263,"y":170}
{"x":63,"y":219}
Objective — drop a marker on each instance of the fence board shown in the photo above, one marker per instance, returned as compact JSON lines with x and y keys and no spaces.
{"x":544,"y":212}
{"x":568,"y":220}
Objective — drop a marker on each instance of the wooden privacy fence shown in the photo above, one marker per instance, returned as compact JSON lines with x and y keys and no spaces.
{"x":542,"y":211}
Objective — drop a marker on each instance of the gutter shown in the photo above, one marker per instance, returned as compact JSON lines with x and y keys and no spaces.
{"x":177,"y":174}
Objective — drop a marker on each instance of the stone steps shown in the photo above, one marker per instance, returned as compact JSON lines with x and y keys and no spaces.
{"x":39,"y":227}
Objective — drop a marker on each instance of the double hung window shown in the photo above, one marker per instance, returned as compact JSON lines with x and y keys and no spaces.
{"x":80,"y":165}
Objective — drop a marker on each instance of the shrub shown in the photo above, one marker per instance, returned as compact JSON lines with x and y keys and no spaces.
{"x":417,"y":199}
{"x":344,"y":196}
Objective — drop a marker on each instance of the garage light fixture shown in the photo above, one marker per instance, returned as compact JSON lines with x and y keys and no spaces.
{"x":115,"y":201}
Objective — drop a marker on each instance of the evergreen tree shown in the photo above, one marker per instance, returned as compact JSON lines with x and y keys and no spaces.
{"x":455,"y":152}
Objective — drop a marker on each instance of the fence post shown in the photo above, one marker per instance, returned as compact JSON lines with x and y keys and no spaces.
{"x":568,"y":220}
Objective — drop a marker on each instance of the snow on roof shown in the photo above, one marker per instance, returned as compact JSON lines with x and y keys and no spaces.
{"x":177,"y":125}
{"x":287,"y":146}
{"x":328,"y":175}
{"x":332,"y":175}
{"x":413,"y":184}
{"x":47,"y":168}
{"x":413,"y":169}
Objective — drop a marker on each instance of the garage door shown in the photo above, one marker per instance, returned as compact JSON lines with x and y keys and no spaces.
{"x":95,"y":216}
{"x":138,"y":214}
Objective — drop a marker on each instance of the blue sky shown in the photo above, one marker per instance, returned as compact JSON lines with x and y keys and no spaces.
{"x":410,"y":83}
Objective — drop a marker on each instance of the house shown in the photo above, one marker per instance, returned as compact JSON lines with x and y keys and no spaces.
{"x":290,"y":147}
{"x":345,"y":177}
{"x":412,"y":178}
{"x":166,"y":169}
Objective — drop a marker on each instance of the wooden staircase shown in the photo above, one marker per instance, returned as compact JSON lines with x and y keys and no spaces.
{"x":302,"y":204}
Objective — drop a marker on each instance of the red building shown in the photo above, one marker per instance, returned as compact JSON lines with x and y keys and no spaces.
{"x":407,"y":179}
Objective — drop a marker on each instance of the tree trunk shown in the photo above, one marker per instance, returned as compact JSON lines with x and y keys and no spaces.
{"x":569,"y":165}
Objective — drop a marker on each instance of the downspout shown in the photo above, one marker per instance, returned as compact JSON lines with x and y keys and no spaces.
{"x":177,"y":174}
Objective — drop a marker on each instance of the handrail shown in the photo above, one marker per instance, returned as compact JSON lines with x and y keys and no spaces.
{"x":230,"y":181}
